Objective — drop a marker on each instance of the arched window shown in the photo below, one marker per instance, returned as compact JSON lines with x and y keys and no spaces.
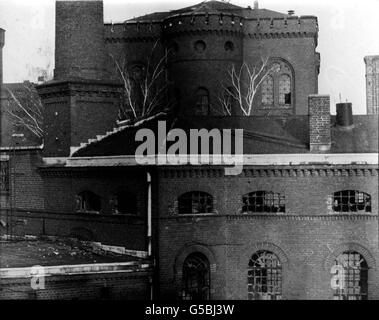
{"x":264,"y":277}
{"x":196,"y":277}
{"x":263,"y":201}
{"x":351,"y":201}
{"x":202,"y":102}
{"x":285,"y":89}
{"x":277,"y":86}
{"x":87,"y":201}
{"x":124,"y":202}
{"x":350,"y":277}
{"x":137,"y":71}
{"x":268,"y":90}
{"x":195,"y":202}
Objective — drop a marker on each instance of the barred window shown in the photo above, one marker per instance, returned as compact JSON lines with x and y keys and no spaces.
{"x":350,"y":277}
{"x":264,"y":278}
{"x":4,"y":176}
{"x":196,"y":277}
{"x":351,"y":201}
{"x":285,"y":89}
{"x":195,"y":202}
{"x":263,"y":201}
{"x":268,"y":90}
{"x":87,"y":201}
{"x":202,"y":102}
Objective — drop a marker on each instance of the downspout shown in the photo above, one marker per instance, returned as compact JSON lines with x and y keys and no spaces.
{"x":149,"y":228}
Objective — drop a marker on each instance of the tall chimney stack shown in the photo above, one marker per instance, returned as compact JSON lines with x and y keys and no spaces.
{"x":2,"y":42}
{"x":319,"y":123}
{"x":79,"y":40}
{"x":256,"y":5}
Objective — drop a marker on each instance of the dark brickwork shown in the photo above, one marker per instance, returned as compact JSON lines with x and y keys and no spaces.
{"x":115,"y":286}
{"x":319,"y":123}
{"x":304,"y":238}
{"x":253,"y":39}
{"x":372,"y":84}
{"x":79,"y":32}
{"x":77,"y":111}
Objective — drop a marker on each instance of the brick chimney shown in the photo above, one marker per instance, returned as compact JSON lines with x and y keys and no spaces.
{"x":81,"y":102}
{"x":79,"y":40}
{"x":319,"y":123}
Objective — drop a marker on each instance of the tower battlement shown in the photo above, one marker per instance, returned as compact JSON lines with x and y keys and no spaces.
{"x":132,"y":30}
{"x":213,"y":22}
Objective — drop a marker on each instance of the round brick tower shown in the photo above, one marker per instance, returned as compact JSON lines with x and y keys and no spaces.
{"x":79,"y":40}
{"x":206,"y":44}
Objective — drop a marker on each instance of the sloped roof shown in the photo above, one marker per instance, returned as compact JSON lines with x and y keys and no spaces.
{"x":261,"y":135}
{"x":212,"y":6}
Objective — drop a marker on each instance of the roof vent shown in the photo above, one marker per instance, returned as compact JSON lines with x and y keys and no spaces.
{"x":291,"y":12}
{"x":344,"y":118}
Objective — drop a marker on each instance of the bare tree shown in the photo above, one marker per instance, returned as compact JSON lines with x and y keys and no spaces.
{"x":147,"y":92}
{"x":245,"y":84}
{"x":25,"y":109}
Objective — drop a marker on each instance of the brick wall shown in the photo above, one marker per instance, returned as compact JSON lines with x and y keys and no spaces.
{"x":319,"y":123}
{"x":79,"y":32}
{"x":115,"y":286}
{"x":372,"y":84}
{"x":304,"y":237}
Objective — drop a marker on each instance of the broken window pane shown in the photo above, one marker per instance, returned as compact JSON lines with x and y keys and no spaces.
{"x":264,"y":277}
{"x":350,"y":271}
{"x":195,"y":202}
{"x":351,"y":201}
{"x":263,"y":201}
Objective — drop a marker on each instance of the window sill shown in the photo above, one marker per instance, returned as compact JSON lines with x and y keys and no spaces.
{"x":195,"y":214}
{"x":88,"y":212}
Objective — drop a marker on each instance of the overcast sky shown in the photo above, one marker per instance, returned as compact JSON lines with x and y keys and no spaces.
{"x":349,"y":30}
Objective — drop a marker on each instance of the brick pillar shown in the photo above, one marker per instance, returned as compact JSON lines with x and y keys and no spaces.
{"x":319,"y":123}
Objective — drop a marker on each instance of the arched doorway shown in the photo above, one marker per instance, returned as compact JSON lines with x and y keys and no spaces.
{"x":196,"y":277}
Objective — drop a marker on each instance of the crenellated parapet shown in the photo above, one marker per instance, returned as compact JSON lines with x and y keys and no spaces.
{"x":215,"y":23}
{"x":132,"y":31}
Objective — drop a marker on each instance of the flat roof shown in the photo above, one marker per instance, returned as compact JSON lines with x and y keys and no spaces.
{"x":58,"y":252}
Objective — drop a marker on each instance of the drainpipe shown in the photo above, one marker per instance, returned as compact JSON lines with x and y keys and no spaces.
{"x":149,"y":223}
{"x":149,"y":214}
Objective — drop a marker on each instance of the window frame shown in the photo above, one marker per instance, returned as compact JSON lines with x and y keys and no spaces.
{"x":343,"y":202}
{"x":203,"y":269}
{"x":201,"y":108}
{"x":283,"y":68}
{"x":195,"y":196}
{"x":263,"y":275}
{"x":80,"y":201}
{"x":354,"y":276}
{"x":262,"y":200}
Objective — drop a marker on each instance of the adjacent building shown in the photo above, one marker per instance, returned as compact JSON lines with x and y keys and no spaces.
{"x":372,"y":84}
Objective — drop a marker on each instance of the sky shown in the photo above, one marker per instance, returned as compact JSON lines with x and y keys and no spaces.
{"x":348,"y":32}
